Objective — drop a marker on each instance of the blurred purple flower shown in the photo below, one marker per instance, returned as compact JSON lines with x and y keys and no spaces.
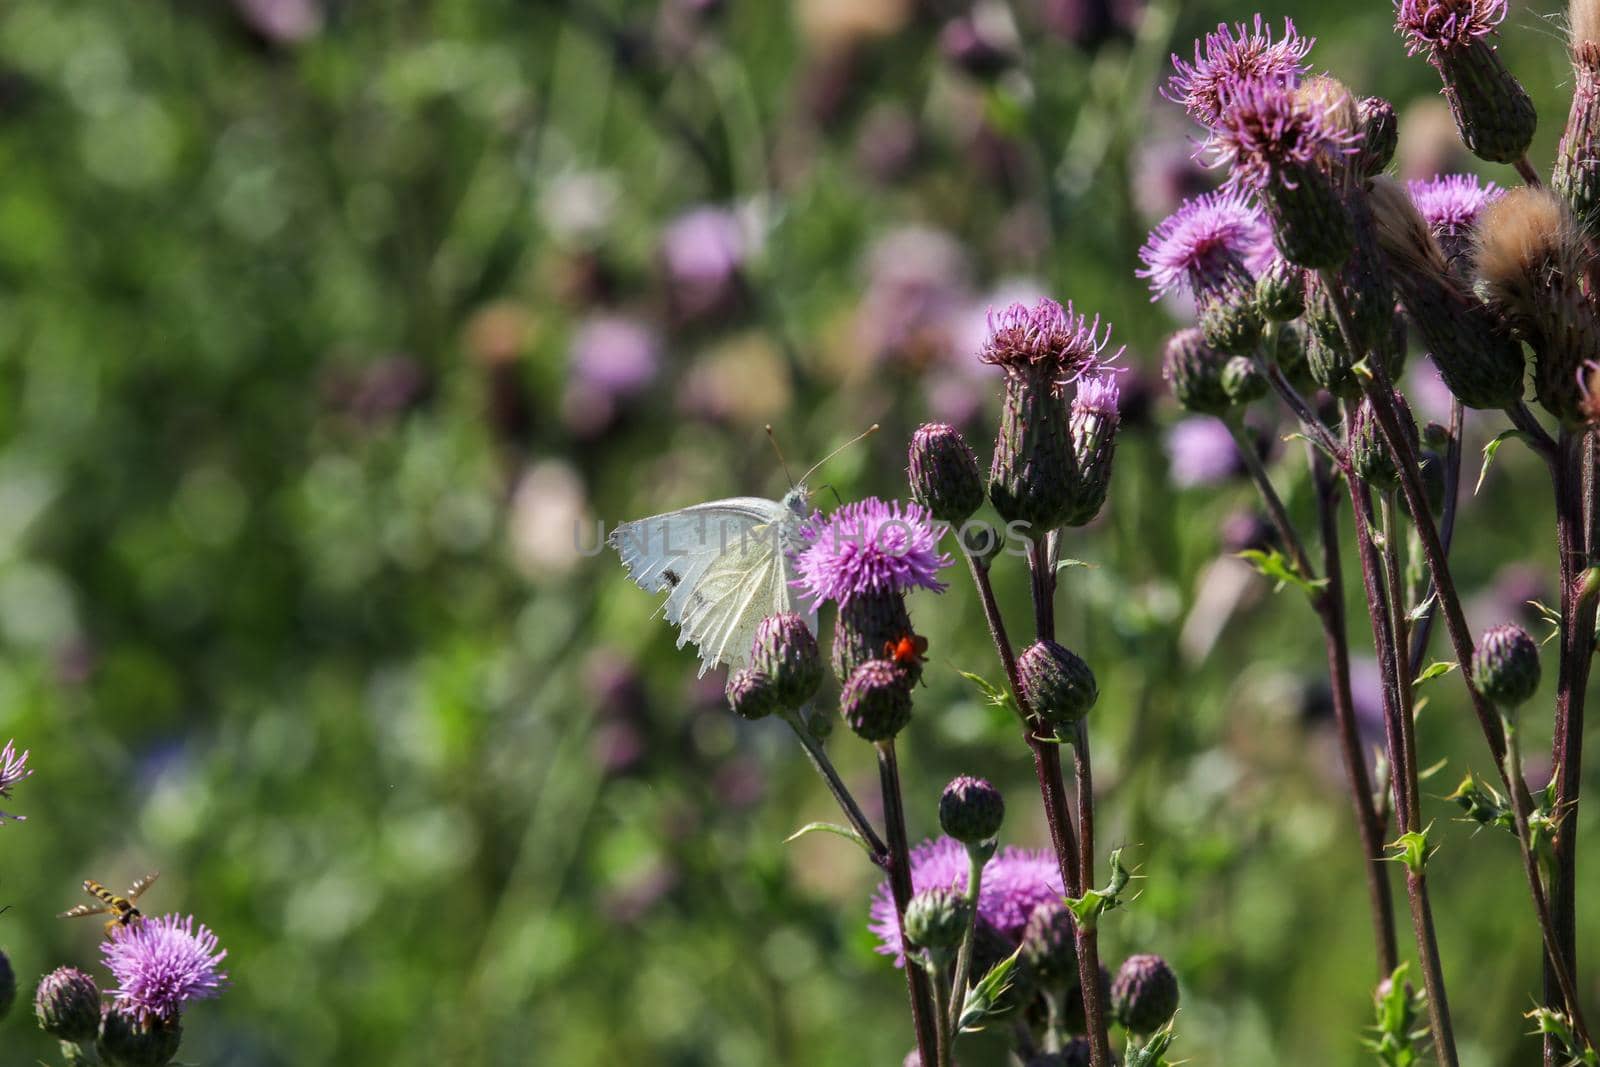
{"x":162,"y":964}
{"x":702,"y":252}
{"x":13,"y":769}
{"x":917,"y":287}
{"x":1200,"y":452}
{"x":615,"y":355}
{"x":1165,"y":174}
{"x":1015,"y":881}
{"x":869,"y":546}
{"x":1450,"y":203}
{"x":887,"y":143}
{"x":1230,"y":59}
{"x":1196,"y":244}
{"x":281,"y":21}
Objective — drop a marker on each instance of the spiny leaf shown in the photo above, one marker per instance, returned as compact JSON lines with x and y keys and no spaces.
{"x":1421,"y":611}
{"x":829,"y":828}
{"x":1429,"y":771}
{"x":995,"y":695}
{"x":1065,"y":564}
{"x":1096,"y":902}
{"x":983,"y":999}
{"x":1414,"y":849}
{"x":1436,"y":669}
{"x":1276,"y":566}
{"x":1488,"y":454}
{"x":1153,"y":1052}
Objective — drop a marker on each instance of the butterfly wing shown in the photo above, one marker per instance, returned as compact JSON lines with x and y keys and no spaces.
{"x":726,"y":566}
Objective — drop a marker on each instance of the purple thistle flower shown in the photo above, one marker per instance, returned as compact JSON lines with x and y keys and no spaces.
{"x":13,"y":769}
{"x":869,"y":547}
{"x":1098,"y":394}
{"x":1445,"y":24}
{"x":161,"y":964}
{"x":1197,"y":242}
{"x":1048,"y":336}
{"x":615,"y":355}
{"x":1201,"y":451}
{"x":1266,"y":129}
{"x":1015,"y":881}
{"x":1230,"y":58}
{"x":1450,"y":203}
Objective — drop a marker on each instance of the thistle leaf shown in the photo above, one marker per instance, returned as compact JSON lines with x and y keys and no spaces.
{"x":1276,"y":566}
{"x":1436,"y":669}
{"x":829,"y":828}
{"x":1489,"y":451}
{"x":983,"y":999}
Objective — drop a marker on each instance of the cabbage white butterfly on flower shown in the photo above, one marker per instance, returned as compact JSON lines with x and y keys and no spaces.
{"x":725,"y":565}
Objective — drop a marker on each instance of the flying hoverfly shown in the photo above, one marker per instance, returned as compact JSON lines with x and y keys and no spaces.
{"x":121,"y":909}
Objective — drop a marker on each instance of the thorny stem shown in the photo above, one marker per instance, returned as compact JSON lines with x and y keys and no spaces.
{"x":1381,"y":394}
{"x":975,"y":864}
{"x":923,"y":1015}
{"x":841,"y":792}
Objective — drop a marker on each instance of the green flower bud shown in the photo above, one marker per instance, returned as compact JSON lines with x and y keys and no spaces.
{"x":1369,"y":451}
{"x":1230,"y":320}
{"x":1194,"y":370}
{"x":129,"y":1041}
{"x":1145,"y":994}
{"x":785,"y":650}
{"x":67,"y":1005}
{"x":752,"y":694}
{"x":1380,"y":135}
{"x":1243,"y":380}
{"x":1505,"y":666}
{"x":1310,"y":224}
{"x":876,"y":701}
{"x":971,"y":810}
{"x":936,"y":920}
{"x":1058,"y":686}
{"x":944,"y":473}
{"x":870,"y":626}
{"x":1281,"y":291}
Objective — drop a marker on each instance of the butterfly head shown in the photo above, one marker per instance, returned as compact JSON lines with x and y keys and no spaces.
{"x":797,"y":501}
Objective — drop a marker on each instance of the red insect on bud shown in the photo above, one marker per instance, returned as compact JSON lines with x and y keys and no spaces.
{"x":909,"y":649}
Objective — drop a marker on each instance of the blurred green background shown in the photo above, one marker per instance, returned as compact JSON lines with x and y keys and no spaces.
{"x":328,"y":331}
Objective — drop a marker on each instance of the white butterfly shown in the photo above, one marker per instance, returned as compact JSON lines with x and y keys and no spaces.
{"x":727,"y":564}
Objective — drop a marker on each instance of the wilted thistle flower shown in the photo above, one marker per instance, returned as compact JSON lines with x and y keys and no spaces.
{"x":1015,"y":881}
{"x":1530,"y":265}
{"x":162,"y":964}
{"x":1231,"y":57}
{"x":1577,"y":171}
{"x":1505,"y":666}
{"x":876,"y":700}
{"x":1450,"y":205}
{"x":971,"y":810}
{"x":1145,"y":993}
{"x":1479,"y":360}
{"x":1491,"y":108}
{"x":936,"y":921}
{"x":1194,"y":371}
{"x":785,"y":650}
{"x":1279,"y":144}
{"x":1058,"y":686}
{"x":67,"y":1005}
{"x":751,"y":693}
{"x":1095,"y":417}
{"x":13,"y":769}
{"x":1042,"y":349}
{"x":131,"y":1039}
{"x":1369,"y":450}
{"x":1205,"y":245}
{"x":1380,"y":135}
{"x":866,"y":556}
{"x":943,"y":472}
{"x":1049,"y":945}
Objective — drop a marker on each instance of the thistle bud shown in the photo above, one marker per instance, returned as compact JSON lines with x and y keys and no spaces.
{"x":1491,"y":108}
{"x":876,"y":701}
{"x":1145,"y":993}
{"x":752,"y":694}
{"x":971,"y":810}
{"x":1031,"y":478}
{"x":1229,"y":316}
{"x":1369,"y":450}
{"x":1289,"y":352}
{"x":1058,"y":686}
{"x":1380,"y":135}
{"x":1505,"y":666}
{"x":67,"y":1005}
{"x":944,"y":474}
{"x":1049,"y":945}
{"x":130,"y":1040}
{"x":1366,"y":288}
{"x":1530,"y":264}
{"x":785,"y":651}
{"x":8,"y":985}
{"x":936,"y":920}
{"x":1194,"y":370}
{"x":1243,"y":381}
{"x":1094,"y":444}
{"x":872,"y":626}
{"x":1479,"y":360}
{"x":1281,"y":291}
{"x":1577,"y":171}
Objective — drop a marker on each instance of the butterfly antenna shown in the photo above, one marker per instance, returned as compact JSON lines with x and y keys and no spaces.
{"x":781,"y":462}
{"x":863,"y":435}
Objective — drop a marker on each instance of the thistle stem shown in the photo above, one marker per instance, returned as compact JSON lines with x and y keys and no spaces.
{"x":841,"y":793}
{"x":1527,"y":173}
{"x":940,"y":979}
{"x":923,"y":1015}
{"x":1276,"y":512}
{"x":975,"y":863}
{"x":1447,"y":529}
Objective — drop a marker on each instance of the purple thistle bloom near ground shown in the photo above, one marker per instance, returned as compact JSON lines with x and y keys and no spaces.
{"x":1265,"y":129}
{"x":161,"y":964}
{"x":615,"y":355}
{"x":13,"y":769}
{"x":1015,"y":882}
{"x":1196,"y":242}
{"x":1450,"y":203}
{"x":1232,"y":57}
{"x":1431,"y":24}
{"x":869,"y":547}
